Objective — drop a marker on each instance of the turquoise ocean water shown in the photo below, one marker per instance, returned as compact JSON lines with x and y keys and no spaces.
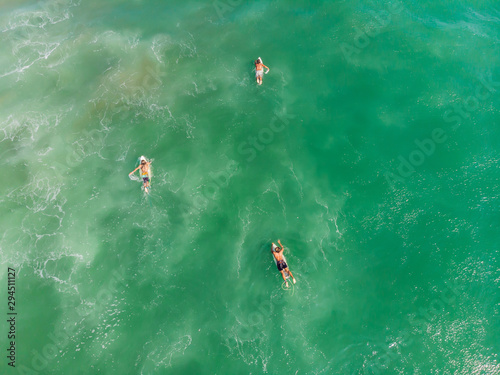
{"x":371,"y":151}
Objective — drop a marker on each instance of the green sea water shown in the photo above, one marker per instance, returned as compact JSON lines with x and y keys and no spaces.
{"x":370,"y":150}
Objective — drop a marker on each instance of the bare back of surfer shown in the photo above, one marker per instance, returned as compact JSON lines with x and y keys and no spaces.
{"x":259,"y":70}
{"x":280,"y":261}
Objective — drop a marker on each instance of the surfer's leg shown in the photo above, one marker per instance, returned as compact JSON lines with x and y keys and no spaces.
{"x":284,"y":278}
{"x":283,"y":275}
{"x":258,"y":75}
{"x":290,"y":273}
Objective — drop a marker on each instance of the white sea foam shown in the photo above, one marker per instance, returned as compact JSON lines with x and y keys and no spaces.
{"x":39,"y":194}
{"x":161,"y":44}
{"x":34,"y":35}
{"x":160,"y":355}
{"x":23,"y":127}
{"x":298,"y":182}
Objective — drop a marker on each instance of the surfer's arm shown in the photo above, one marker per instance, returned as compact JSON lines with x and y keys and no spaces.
{"x":266,"y":68}
{"x":134,"y":170}
{"x":280,"y":245}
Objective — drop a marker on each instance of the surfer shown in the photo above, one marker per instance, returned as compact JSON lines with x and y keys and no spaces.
{"x":259,"y":70}
{"x":280,"y":261}
{"x":145,"y":170}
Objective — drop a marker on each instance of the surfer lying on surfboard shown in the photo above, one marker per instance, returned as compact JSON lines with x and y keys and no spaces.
{"x":145,"y":172}
{"x":280,"y":262}
{"x":259,"y":70}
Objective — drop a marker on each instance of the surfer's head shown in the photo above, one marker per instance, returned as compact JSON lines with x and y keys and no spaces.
{"x":143,"y":161}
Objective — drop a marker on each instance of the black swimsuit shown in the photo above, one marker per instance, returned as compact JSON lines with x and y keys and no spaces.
{"x":281,"y":265}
